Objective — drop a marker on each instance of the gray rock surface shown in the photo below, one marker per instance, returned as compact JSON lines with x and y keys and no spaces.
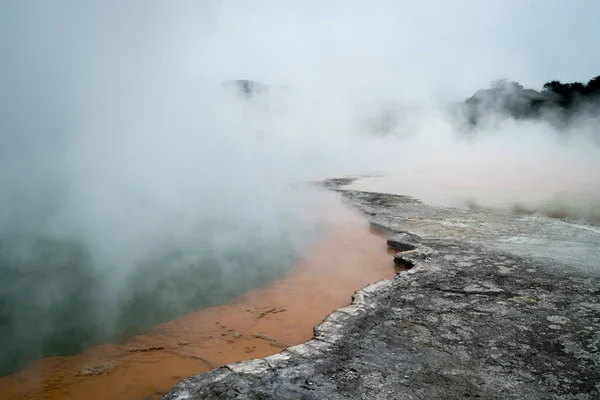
{"x":495,"y":307}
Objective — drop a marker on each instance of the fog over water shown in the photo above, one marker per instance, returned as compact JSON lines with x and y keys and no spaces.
{"x":135,"y":187}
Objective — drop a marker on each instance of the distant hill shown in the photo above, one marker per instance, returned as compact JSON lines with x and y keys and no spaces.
{"x":561,"y":101}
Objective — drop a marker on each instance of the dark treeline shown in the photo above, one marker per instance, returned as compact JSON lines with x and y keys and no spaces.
{"x":558,"y":102}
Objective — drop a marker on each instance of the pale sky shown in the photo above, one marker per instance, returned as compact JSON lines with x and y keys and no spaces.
{"x":450,"y":48}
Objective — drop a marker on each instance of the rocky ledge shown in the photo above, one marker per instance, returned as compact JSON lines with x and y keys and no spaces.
{"x":494,"y":307}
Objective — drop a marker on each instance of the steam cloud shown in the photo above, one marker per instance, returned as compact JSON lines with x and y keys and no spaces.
{"x":127,"y":171}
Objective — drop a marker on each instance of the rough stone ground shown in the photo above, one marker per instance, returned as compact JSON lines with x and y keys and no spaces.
{"x":495,"y":307}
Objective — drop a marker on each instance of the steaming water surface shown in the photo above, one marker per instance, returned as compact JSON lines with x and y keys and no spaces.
{"x":56,"y":299}
{"x":348,"y":257}
{"x":576,"y":199}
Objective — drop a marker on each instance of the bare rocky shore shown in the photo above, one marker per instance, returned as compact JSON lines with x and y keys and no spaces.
{"x":494,"y":307}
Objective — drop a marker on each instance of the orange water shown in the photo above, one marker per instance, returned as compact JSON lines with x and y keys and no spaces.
{"x":349,"y":258}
